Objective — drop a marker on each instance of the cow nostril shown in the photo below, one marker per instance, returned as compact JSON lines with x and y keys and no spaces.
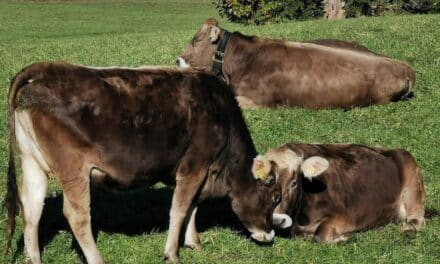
{"x":178,"y":62}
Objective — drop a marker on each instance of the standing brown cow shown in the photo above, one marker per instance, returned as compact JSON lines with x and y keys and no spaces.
{"x":125,"y":128}
{"x":333,"y":190}
{"x":317,"y":74}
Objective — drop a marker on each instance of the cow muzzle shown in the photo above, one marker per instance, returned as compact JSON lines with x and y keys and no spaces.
{"x":281,"y":221}
{"x":262,"y":236}
{"x":182,"y":63}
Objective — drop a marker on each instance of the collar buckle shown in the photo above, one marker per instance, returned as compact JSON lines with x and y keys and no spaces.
{"x":220,"y":54}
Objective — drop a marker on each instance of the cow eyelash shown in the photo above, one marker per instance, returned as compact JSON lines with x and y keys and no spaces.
{"x":276,"y":198}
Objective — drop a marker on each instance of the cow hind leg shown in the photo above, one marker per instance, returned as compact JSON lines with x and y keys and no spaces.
{"x":188,"y":182}
{"x":192,"y":239}
{"x":413,"y":197}
{"x":413,"y":200}
{"x":32,"y":196}
{"x":332,"y":230}
{"x":76,"y":209}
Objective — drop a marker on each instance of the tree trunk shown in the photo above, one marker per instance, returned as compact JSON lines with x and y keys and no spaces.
{"x":334,"y":9}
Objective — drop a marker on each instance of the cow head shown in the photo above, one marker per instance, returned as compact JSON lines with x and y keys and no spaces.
{"x":291,"y":169}
{"x":254,"y":202}
{"x":200,"y":51}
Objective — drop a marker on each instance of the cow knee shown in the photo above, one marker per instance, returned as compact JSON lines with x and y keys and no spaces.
{"x":333,"y":230}
{"x":324,"y":235}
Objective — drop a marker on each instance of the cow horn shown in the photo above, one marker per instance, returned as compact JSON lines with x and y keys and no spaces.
{"x":261,"y":168}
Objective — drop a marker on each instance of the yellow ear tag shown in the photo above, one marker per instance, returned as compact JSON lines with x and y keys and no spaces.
{"x":261,"y":174}
{"x":311,"y":170}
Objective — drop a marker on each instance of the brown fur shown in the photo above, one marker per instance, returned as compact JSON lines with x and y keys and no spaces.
{"x":314,"y":74}
{"x":363,"y":188}
{"x":127,"y":128}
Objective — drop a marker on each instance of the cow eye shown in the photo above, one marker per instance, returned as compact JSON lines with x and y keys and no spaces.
{"x":276,"y":198}
{"x":293,"y":184}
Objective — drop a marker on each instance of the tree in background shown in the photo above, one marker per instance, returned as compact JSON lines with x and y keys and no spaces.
{"x":264,"y":11}
{"x":272,"y":11}
{"x":334,"y":9}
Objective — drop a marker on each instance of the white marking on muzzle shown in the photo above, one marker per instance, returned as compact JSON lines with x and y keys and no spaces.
{"x":282,"y":220}
{"x":182,"y":63}
{"x":262,"y":236}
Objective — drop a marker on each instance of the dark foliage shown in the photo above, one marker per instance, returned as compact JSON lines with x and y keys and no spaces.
{"x":272,"y":11}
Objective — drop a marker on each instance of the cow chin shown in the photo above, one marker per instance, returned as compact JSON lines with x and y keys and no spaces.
{"x":262,"y":237}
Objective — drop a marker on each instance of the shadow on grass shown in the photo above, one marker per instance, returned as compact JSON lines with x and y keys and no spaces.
{"x":135,"y":213}
{"x":130,"y":213}
{"x":431,"y":213}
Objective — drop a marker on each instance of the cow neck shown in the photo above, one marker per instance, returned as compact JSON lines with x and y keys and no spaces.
{"x":242,"y":153}
{"x":217,"y":65}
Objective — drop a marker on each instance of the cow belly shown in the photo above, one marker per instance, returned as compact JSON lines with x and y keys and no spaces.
{"x":330,"y":79}
{"x":383,"y":215}
{"x":120,"y":180}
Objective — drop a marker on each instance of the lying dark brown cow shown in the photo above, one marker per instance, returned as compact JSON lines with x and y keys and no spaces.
{"x":316,"y":74}
{"x":125,"y":128}
{"x":333,"y":190}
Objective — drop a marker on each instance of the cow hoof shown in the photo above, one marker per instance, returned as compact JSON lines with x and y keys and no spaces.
{"x":341,"y":239}
{"x":194,"y":246}
{"x":170,"y":259}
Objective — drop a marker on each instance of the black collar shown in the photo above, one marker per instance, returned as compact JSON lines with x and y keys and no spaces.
{"x":220,"y":54}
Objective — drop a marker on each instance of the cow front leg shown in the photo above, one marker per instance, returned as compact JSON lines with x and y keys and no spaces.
{"x":76,"y":208}
{"x":188,"y":183}
{"x":192,"y":239}
{"x":333,"y":230}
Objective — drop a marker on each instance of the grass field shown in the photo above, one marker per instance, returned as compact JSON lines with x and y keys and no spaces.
{"x":132,"y":227}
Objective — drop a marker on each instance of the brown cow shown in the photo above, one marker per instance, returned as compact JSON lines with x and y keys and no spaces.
{"x":333,"y":190}
{"x":316,"y":74}
{"x":125,"y":128}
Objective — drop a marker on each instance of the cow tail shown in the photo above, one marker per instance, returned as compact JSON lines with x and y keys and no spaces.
{"x":11,"y":197}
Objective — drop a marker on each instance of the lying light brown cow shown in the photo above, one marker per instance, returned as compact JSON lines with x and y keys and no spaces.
{"x":331,"y":191}
{"x":317,"y":74}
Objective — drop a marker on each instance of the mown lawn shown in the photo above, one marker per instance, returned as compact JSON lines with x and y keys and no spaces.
{"x":132,"y":227}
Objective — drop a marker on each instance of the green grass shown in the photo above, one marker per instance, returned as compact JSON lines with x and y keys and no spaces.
{"x":131,"y":33}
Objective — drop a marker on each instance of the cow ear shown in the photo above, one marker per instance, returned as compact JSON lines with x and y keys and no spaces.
{"x":211,"y":21}
{"x":214,"y":34}
{"x":314,"y":166}
{"x":261,"y":168}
